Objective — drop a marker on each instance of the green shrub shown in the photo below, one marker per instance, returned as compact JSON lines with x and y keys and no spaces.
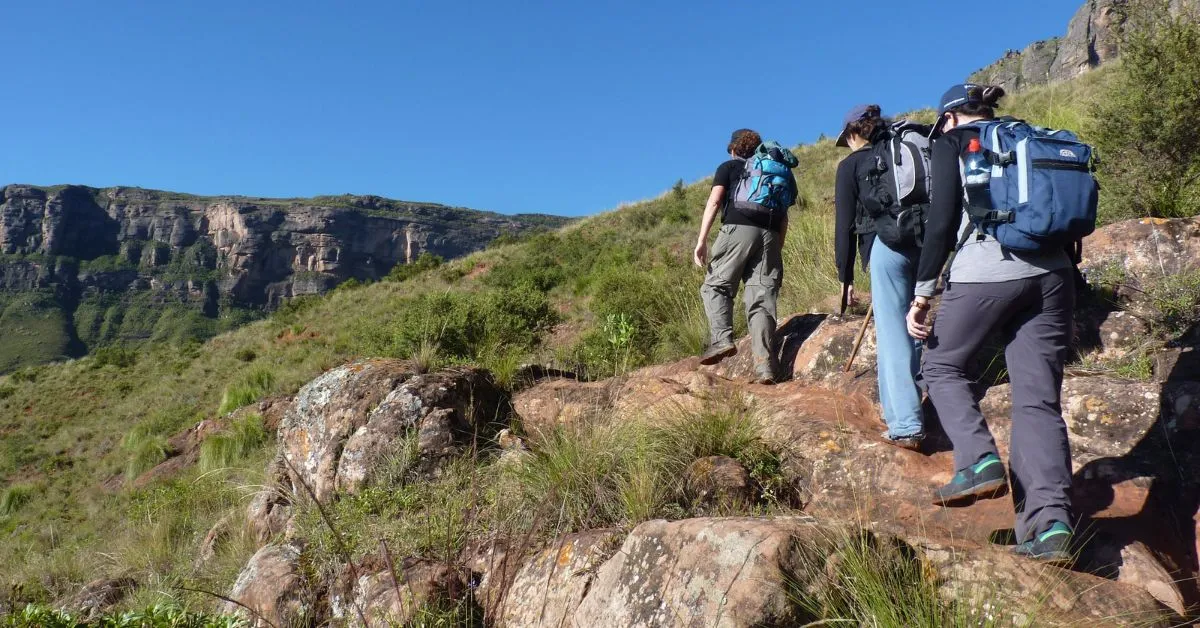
{"x":426,"y":261}
{"x":113,"y":355}
{"x":246,"y":355}
{"x":1176,"y":302}
{"x":234,"y":444}
{"x":161,"y":616}
{"x":1145,"y":127}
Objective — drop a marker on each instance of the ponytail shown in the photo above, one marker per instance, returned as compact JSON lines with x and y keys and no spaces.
{"x":982,"y":101}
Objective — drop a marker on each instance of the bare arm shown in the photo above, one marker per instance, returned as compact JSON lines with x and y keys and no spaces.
{"x":700,"y":257}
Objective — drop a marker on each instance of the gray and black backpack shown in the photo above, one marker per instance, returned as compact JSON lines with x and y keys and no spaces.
{"x":897,"y":190}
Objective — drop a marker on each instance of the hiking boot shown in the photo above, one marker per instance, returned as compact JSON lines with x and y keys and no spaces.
{"x":1052,"y":546}
{"x":912,"y":442}
{"x":716,"y":353}
{"x":983,"y":480}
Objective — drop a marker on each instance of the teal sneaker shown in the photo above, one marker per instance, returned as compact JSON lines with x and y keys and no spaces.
{"x":985,"y":479}
{"x":1052,"y":546}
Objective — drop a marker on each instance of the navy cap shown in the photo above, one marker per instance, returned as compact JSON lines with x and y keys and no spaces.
{"x":956,"y":96}
{"x":855,"y":114}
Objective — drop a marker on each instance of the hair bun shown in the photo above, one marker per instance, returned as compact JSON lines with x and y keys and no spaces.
{"x":873,"y":111}
{"x":992,"y":95}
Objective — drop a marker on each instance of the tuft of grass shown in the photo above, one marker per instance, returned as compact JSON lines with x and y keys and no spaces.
{"x":244,"y":437}
{"x":863,"y":581}
{"x":15,"y":497}
{"x":258,"y":384}
{"x":144,"y":449}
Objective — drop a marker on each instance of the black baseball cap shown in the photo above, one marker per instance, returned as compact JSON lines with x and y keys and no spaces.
{"x":854,"y":115}
{"x":956,"y":96}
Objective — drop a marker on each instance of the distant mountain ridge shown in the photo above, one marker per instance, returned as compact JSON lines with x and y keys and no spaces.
{"x":82,"y":266}
{"x":1093,"y":38}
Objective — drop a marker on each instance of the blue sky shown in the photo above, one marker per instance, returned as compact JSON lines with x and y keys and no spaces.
{"x":561,"y":107}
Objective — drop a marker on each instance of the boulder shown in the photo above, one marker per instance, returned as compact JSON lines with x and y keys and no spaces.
{"x":272,"y":587}
{"x":699,"y":572}
{"x":270,"y":509}
{"x":550,"y":584}
{"x":385,"y":601}
{"x":345,"y":423}
{"x":99,"y":596}
{"x":720,"y":481}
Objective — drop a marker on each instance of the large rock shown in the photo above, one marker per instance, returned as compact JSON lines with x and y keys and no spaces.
{"x":550,"y":585}
{"x":744,"y":572}
{"x":272,"y":587}
{"x":346,"y":423}
{"x":99,"y":596}
{"x":699,"y":572}
{"x":384,"y":601}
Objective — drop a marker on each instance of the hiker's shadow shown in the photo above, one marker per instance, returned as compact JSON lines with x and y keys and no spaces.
{"x":1164,"y":467}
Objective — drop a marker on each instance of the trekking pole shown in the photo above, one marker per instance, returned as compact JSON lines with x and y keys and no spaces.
{"x":862,"y":333}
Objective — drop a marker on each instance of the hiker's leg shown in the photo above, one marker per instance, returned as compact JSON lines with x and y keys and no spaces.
{"x":1040,"y":456}
{"x":764,"y":275}
{"x":893,"y":278}
{"x":968,"y":312}
{"x":725,"y":269}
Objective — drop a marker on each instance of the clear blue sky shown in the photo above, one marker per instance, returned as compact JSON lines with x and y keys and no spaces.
{"x":562,"y":106}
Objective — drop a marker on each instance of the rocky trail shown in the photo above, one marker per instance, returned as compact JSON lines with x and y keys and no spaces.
{"x":1135,"y":458}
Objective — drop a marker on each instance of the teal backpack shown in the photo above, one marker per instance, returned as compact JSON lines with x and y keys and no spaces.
{"x":767,"y":187}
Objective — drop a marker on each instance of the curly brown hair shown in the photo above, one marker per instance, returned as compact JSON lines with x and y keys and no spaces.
{"x":744,"y":143}
{"x":871,"y":121}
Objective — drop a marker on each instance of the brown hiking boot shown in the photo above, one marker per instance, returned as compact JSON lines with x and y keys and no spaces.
{"x":716,"y":353}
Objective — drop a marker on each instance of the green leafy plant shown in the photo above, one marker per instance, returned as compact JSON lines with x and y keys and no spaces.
{"x":1145,"y":127}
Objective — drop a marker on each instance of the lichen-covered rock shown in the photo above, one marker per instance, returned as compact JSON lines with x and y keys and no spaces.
{"x":384,"y":601}
{"x":273,"y":585}
{"x":720,"y":481}
{"x":698,"y":572}
{"x":550,"y":584}
{"x":270,"y":509}
{"x":99,"y":596}
{"x":343,"y":424}
{"x":993,"y":577}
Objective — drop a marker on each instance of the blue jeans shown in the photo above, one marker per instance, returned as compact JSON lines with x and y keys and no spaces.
{"x":893,"y":279}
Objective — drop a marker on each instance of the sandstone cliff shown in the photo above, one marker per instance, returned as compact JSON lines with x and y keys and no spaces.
{"x":1093,"y":38}
{"x":81,"y":266}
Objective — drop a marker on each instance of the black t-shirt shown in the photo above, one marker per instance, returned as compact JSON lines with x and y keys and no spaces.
{"x":728,"y":174}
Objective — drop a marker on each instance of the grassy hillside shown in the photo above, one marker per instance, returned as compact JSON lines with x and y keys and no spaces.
{"x":607,"y":294}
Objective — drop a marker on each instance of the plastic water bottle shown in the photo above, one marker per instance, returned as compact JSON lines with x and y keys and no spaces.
{"x":977,"y":172}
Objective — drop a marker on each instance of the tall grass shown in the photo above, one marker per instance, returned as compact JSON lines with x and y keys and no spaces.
{"x":144,"y":449}
{"x":257,"y":384}
{"x":242,"y":438}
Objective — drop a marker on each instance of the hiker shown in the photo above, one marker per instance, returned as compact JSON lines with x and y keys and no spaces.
{"x":881,"y":194}
{"x":1003,"y":279}
{"x":753,"y":190}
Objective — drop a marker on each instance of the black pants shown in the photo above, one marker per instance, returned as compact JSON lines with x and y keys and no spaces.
{"x":1034,"y":315}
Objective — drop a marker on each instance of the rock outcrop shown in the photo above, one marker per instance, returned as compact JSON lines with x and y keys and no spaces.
{"x":89,"y":250}
{"x":1136,"y":489}
{"x":1093,"y":38}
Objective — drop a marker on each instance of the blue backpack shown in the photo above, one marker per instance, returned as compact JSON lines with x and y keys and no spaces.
{"x":1042,"y":190}
{"x":767,"y":187}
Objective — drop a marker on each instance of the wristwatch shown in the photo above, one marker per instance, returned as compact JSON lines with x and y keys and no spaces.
{"x":920,"y":306}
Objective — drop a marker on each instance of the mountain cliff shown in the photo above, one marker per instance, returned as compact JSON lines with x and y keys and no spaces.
{"x":1092,"y":39}
{"x":82,"y":266}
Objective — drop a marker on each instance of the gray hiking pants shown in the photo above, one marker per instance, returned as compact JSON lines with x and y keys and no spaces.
{"x":753,"y":255}
{"x":1034,"y":315}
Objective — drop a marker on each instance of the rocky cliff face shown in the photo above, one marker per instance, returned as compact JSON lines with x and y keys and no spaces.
{"x":1093,"y":38}
{"x":85,"y":259}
